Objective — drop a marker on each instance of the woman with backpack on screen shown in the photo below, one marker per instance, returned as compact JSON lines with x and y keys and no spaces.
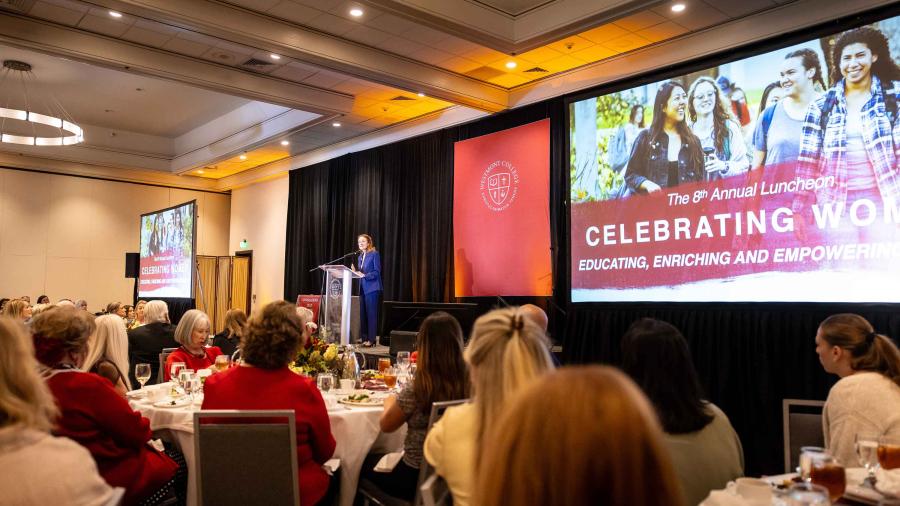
{"x":851,"y":133}
{"x":776,"y":139}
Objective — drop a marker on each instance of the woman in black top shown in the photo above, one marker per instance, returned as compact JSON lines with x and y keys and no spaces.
{"x":229,"y":339}
{"x":668,"y":153}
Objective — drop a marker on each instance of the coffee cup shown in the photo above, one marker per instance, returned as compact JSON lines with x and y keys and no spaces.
{"x":347,"y":385}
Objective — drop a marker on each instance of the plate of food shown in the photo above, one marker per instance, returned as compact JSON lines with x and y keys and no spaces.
{"x":180,"y":402}
{"x":363,"y":399}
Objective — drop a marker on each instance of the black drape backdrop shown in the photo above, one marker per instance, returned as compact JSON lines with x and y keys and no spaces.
{"x":749,"y":356}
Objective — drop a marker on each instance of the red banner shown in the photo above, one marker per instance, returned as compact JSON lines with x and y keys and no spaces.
{"x":728,"y":239}
{"x":501,"y":220}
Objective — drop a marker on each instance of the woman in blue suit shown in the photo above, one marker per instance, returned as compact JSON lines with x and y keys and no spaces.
{"x":370,"y":288}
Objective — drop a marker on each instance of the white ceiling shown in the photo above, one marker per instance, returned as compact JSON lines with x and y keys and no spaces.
{"x":188,"y":57}
{"x":110,"y":99}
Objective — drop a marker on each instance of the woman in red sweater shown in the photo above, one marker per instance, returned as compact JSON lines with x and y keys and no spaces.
{"x":192,"y":333}
{"x":94,"y":415}
{"x":264,"y":381}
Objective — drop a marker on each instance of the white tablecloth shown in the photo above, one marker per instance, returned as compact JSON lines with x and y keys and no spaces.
{"x":355,"y":430}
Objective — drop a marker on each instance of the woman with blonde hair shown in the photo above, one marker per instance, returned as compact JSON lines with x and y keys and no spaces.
{"x":506,"y":352}
{"x":191,"y":335}
{"x":230,"y":338}
{"x":37,"y":467}
{"x":138,"y":315}
{"x":603,"y":447}
{"x":107,"y":353}
{"x":867,"y":397}
{"x":18,"y":309}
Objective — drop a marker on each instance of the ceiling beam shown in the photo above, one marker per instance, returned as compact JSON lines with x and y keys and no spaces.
{"x":236,"y":24}
{"x":97,"y":49}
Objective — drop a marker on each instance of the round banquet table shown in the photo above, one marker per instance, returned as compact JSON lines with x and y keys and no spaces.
{"x":355,"y":429}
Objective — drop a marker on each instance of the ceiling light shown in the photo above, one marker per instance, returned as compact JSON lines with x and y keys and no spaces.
{"x":285,"y":143}
{"x":511,"y":64}
{"x":678,"y":7}
{"x":274,"y":56}
{"x":335,"y":124}
{"x":199,"y":171}
{"x":356,"y":12}
{"x":243,"y":156}
{"x":56,"y":117}
{"x":421,"y":94}
{"x":115,"y":14}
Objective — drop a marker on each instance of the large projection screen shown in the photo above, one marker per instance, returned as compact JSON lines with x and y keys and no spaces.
{"x":168,"y":240}
{"x":768,"y":178}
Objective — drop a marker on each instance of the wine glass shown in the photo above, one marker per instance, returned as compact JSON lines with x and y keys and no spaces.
{"x":142,"y":373}
{"x":807,"y":494}
{"x":174,"y":369}
{"x":325,"y":382}
{"x":866,"y":445}
{"x":184,"y":376}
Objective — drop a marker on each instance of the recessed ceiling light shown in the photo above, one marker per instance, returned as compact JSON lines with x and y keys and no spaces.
{"x":356,"y":12}
{"x":115,"y":14}
{"x":274,"y":56}
{"x":335,"y":124}
{"x":421,"y":94}
{"x":678,"y":7}
{"x":243,"y":157}
{"x":285,"y":143}
{"x":199,"y":171}
{"x":511,"y":64}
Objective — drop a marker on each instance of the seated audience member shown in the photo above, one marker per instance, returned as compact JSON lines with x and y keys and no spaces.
{"x":18,"y":309}
{"x":43,"y":299}
{"x":191,"y":335}
{"x":867,"y":397}
{"x":116,"y":308}
{"x":440,"y":376}
{"x":107,"y":353}
{"x":93,"y":414}
{"x":80,"y":304}
{"x":264,"y":381}
{"x":506,"y":352}
{"x":585,"y":435}
{"x":26,"y":298}
{"x":229,"y":339}
{"x":3,"y":302}
{"x":705,"y":449}
{"x":68,"y":303}
{"x":146,"y":342}
{"x":129,"y":315}
{"x":138,"y":315}
{"x":37,"y":467}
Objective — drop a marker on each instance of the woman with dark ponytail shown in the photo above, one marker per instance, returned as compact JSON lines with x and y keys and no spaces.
{"x":867,"y":397}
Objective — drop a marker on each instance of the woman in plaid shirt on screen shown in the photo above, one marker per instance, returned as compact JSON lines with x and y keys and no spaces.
{"x":851,"y":133}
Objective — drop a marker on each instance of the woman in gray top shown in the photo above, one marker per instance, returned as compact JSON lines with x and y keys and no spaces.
{"x":440,"y":376}
{"x":705,"y":450}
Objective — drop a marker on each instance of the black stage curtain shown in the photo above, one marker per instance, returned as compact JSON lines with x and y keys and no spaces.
{"x":177,"y":307}
{"x":749,"y":356}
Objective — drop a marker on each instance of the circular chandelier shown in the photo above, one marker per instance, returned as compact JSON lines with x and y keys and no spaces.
{"x":68,"y":133}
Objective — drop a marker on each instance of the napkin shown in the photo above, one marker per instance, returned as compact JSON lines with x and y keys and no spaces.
{"x":388,"y":462}
{"x":888,"y":481}
{"x":729,"y":497}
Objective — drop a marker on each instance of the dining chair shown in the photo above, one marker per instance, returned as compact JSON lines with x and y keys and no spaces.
{"x":802,"y":420}
{"x":163,"y":356}
{"x":246,"y":457}
{"x":373,"y":495}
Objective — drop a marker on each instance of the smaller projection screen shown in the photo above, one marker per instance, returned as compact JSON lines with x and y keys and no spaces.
{"x":168,"y":240}
{"x":768,"y":178}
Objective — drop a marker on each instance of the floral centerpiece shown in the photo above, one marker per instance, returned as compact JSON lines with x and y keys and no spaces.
{"x":317,"y":356}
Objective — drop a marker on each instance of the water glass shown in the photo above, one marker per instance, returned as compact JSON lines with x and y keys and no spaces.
{"x":325,"y":382}
{"x":806,"y":455}
{"x":142,"y":373}
{"x":390,"y":377}
{"x":403,"y":361}
{"x":176,"y":368}
{"x":807,"y":494}
{"x":383,"y":363}
{"x":866,"y":445}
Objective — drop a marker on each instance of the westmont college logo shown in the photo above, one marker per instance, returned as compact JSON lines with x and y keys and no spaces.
{"x":499,"y":185}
